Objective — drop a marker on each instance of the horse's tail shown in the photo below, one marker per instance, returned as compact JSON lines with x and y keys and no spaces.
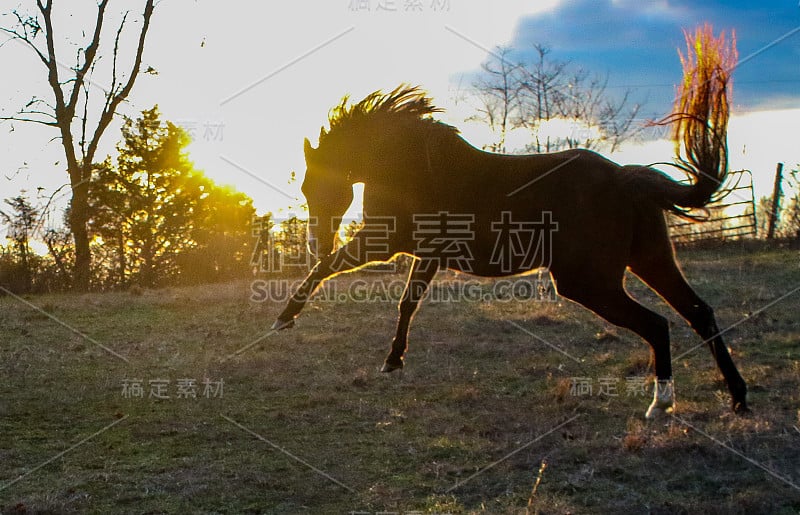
{"x":699,"y":123}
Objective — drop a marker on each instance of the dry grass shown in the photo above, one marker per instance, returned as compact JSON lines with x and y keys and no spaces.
{"x":476,"y":388}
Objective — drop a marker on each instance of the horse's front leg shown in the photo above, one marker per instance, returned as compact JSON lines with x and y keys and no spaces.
{"x":420,"y":276}
{"x":300,"y":296}
{"x":350,"y":256}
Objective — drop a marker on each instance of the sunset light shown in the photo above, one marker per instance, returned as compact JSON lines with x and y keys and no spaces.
{"x":400,"y":256}
{"x":262,"y":129}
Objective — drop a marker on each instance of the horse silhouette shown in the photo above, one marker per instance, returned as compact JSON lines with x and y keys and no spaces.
{"x":431,"y":195}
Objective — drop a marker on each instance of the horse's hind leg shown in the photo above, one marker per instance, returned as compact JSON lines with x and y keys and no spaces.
{"x":661,"y":273}
{"x":614,"y":304}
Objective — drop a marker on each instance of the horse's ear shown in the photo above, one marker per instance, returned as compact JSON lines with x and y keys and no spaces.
{"x":307,"y":148}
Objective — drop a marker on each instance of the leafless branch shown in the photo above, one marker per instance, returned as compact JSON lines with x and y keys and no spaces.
{"x":116,"y":97}
{"x":17,"y":118}
{"x":30,"y":28}
{"x":88,"y":57}
{"x":499,"y":95}
{"x":116,"y":53}
{"x":530,"y":94}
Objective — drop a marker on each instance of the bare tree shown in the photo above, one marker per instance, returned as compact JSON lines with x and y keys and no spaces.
{"x":541,"y":89}
{"x":529,"y":95}
{"x":499,"y":87}
{"x":605,"y":120}
{"x":68,"y":110}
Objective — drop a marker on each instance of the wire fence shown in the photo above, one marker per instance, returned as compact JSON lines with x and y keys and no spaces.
{"x":731,"y":217}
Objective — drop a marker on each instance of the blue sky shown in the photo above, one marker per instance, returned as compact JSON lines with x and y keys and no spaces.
{"x":635,"y":43}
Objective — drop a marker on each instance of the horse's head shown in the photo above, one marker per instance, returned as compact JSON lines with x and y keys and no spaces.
{"x":329,"y":193}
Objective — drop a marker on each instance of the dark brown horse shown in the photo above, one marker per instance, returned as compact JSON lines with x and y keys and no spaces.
{"x":431,"y":195}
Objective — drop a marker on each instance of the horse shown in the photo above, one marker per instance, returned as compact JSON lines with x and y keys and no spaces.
{"x":431,"y":195}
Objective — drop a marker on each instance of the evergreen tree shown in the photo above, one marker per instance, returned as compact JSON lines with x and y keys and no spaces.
{"x":158,"y":219}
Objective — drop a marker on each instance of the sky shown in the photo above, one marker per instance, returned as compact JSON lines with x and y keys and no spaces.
{"x":249,"y":81}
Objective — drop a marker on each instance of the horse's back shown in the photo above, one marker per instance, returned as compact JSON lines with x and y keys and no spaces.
{"x":601,"y":218}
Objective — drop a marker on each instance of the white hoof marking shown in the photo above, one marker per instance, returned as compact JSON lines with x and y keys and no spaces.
{"x":663,"y":400}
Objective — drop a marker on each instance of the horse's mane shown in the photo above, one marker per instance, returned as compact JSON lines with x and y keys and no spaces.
{"x":403,"y":105}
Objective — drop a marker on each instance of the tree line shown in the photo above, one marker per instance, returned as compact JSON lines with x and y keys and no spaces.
{"x":152,"y":220}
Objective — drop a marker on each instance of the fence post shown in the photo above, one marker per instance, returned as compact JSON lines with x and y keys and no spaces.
{"x":775,"y":208}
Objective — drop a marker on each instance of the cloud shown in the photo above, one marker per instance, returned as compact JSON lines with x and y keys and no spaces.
{"x":635,"y":43}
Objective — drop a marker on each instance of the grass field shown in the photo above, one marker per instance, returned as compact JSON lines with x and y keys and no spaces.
{"x":303,"y":422}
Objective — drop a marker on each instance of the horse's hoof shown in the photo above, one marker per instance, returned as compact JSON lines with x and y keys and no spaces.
{"x":658,"y":412}
{"x":663,"y":400}
{"x":740,"y":408}
{"x":280,"y":325}
{"x":391,"y":367}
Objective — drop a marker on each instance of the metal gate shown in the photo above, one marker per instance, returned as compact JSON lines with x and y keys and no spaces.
{"x":731,"y":217}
